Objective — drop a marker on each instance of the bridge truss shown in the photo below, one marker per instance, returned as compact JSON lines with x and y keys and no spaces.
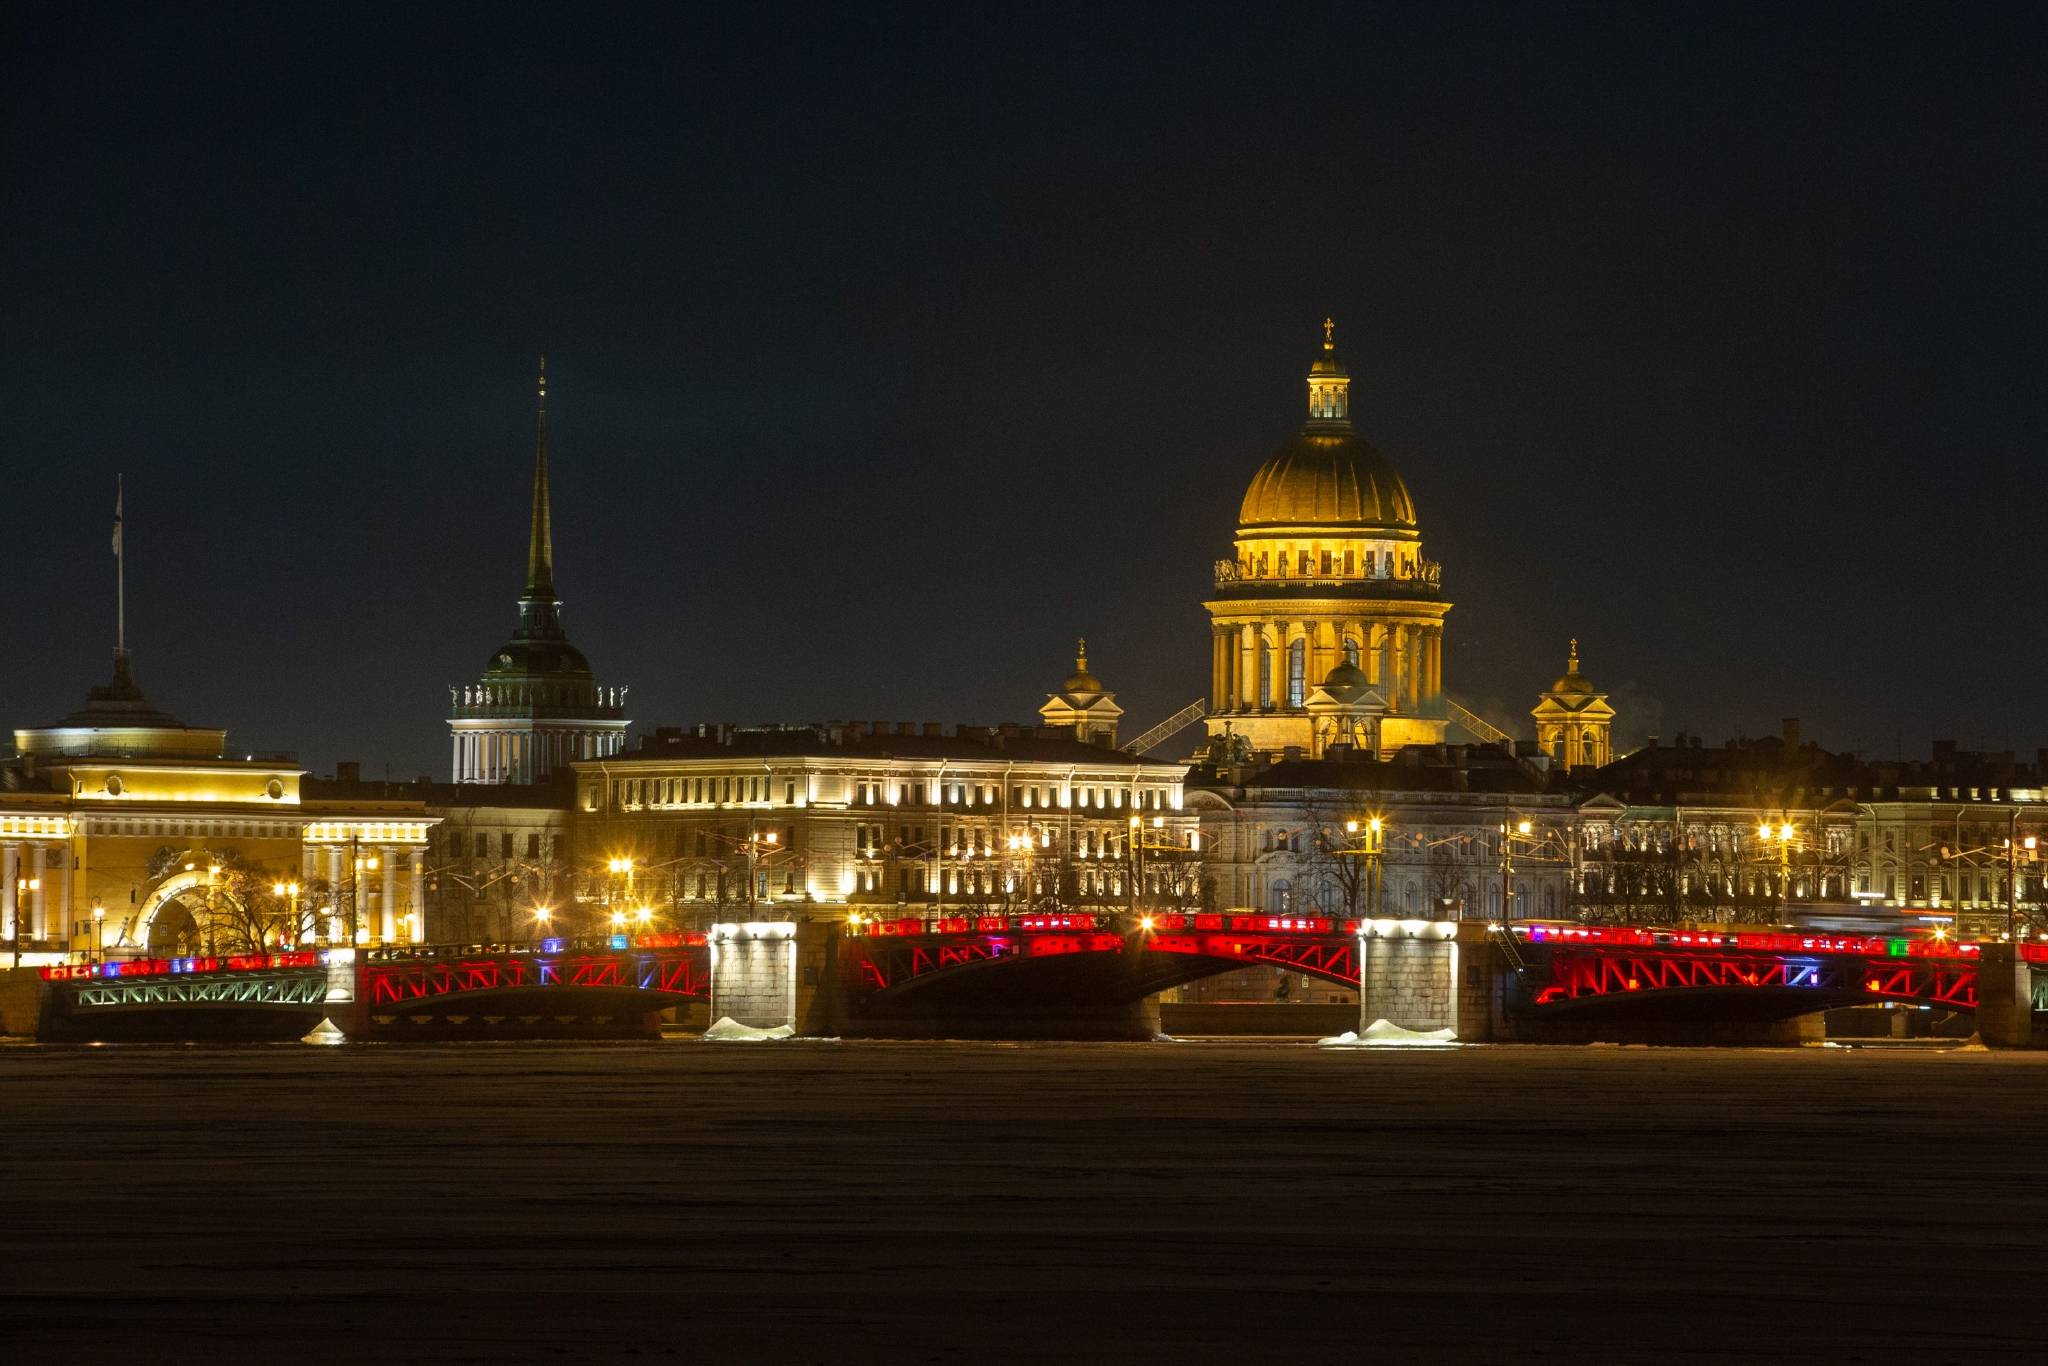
{"x":288,"y":988}
{"x":421,"y":980}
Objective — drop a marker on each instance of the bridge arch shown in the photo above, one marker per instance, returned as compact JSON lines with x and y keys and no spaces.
{"x":1100,"y":964}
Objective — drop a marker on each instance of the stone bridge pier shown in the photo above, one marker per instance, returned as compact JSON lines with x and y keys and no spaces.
{"x":771,"y":973}
{"x":1425,"y":975}
{"x":2005,"y":997}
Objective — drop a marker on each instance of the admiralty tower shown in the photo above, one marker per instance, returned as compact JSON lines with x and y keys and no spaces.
{"x":1328,"y":621}
{"x":537,"y":708}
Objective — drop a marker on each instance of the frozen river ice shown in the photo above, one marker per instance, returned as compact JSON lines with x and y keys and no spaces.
{"x":758,"y":1203}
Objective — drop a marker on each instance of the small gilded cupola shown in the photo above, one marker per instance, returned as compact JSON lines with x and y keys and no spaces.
{"x":1083,"y":705}
{"x":1574,"y":724}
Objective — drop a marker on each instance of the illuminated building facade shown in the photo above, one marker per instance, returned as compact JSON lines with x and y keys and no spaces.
{"x":1775,"y":831}
{"x":497,"y":854}
{"x":1299,"y":838}
{"x":913,"y":819}
{"x":125,"y":832}
{"x":537,"y":706}
{"x":1327,"y":624}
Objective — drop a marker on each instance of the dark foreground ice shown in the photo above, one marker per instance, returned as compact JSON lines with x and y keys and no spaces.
{"x":809,"y":1202}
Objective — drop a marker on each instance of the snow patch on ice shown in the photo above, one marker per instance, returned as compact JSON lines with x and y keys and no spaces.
{"x":729,"y":1030}
{"x":1384,"y":1034}
{"x":325,"y":1034}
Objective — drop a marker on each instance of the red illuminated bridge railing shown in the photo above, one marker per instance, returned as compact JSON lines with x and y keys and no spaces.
{"x":416,"y":977}
{"x":133,"y":969}
{"x":902,"y":926}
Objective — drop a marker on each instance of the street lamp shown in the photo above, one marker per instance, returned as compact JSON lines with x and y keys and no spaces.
{"x":769,"y":838}
{"x":1508,"y":834}
{"x":288,"y":891}
{"x":1783,"y":835}
{"x":99,"y":938}
{"x":1372,"y":836}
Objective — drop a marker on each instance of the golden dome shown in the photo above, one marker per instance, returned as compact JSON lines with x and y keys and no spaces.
{"x":1573,"y":682}
{"x":1327,"y":478}
{"x":1327,"y":475}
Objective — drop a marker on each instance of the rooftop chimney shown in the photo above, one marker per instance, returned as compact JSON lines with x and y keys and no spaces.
{"x":1791,"y":732}
{"x":348,"y":771}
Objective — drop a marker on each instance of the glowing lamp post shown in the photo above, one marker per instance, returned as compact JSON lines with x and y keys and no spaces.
{"x":1783,"y":835}
{"x":1370,"y":844}
{"x":288,"y":892}
{"x":1508,"y":834}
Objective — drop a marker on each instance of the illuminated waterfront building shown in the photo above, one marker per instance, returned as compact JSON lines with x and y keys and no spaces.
{"x":125,"y":831}
{"x":537,"y":706}
{"x":1327,"y":624}
{"x":911,"y":818}
{"x":1778,"y":830}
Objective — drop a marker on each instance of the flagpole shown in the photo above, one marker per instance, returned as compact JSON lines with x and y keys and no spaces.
{"x":120,"y":576}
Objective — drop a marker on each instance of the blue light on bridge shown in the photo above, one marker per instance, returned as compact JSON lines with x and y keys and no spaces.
{"x":551,"y":946}
{"x":617,"y":941}
{"x":1802,"y":973}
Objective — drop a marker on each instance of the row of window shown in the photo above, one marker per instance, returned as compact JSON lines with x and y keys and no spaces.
{"x":1328,"y":564}
{"x":503,"y":844}
{"x":714,"y":791}
{"x":629,"y":792}
{"x":1043,"y":796}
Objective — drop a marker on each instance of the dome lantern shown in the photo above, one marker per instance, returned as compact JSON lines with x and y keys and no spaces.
{"x":1329,"y":386}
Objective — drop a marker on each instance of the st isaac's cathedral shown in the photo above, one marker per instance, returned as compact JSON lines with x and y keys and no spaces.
{"x":1327,"y":625}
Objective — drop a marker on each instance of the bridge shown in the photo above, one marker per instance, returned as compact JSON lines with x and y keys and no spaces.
{"x":553,"y":988}
{"x":1063,"y":976}
{"x":1596,"y":966}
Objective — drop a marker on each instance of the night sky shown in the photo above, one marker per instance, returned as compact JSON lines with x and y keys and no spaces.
{"x":889,"y":352}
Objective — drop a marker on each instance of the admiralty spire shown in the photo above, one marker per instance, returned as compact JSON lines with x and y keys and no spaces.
{"x":536,"y":707}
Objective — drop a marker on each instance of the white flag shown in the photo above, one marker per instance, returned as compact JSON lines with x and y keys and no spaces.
{"x":117,"y":516}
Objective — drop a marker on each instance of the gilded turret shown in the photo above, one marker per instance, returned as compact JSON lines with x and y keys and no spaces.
{"x":1083,"y":705}
{"x":1574,"y":724}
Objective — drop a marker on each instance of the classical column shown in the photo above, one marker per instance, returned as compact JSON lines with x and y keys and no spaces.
{"x":38,"y":898}
{"x":417,"y":896}
{"x":1436,"y":661}
{"x":1248,"y":670}
{"x":1216,"y":679}
{"x":64,"y":907}
{"x":388,"y":857}
{"x":10,"y":878}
